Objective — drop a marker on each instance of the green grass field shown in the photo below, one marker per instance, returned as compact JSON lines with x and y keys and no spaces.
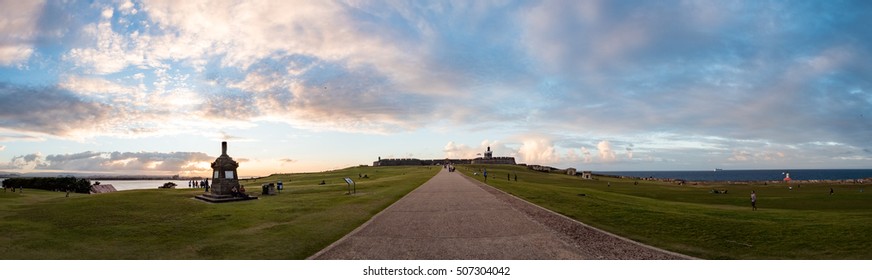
{"x":170,"y":224}
{"x":805,"y":223}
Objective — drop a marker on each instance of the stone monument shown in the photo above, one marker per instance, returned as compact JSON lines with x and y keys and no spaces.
{"x":225,"y":181}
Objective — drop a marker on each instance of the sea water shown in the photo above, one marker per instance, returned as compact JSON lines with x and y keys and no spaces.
{"x":749,"y":175}
{"x":123,"y":185}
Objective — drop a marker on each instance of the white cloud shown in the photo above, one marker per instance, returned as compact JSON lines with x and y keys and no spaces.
{"x":107,"y":13}
{"x":18,"y":28}
{"x":94,"y":86}
{"x":14,"y":53}
{"x":744,"y":155}
{"x":538,"y":150}
{"x":249,"y":31}
{"x":84,"y":107}
{"x":29,"y":161}
{"x":127,"y":7}
{"x":463,"y":151}
{"x":586,"y":154}
{"x":173,"y":162}
{"x":453,"y":150}
{"x":111,"y":53}
{"x":605,"y":151}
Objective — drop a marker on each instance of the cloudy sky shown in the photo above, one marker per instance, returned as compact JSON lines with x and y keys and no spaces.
{"x":154,"y":86}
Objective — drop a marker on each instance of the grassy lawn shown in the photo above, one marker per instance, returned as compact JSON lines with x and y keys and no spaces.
{"x":805,"y":223}
{"x":170,"y":224}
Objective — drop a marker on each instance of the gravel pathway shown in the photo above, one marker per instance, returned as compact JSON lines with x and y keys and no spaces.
{"x":454,"y":217}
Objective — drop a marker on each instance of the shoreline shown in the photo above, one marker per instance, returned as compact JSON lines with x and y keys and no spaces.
{"x":751,"y":176}
{"x":739,"y":182}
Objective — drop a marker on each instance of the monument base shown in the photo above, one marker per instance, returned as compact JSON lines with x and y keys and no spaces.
{"x":222,"y":198}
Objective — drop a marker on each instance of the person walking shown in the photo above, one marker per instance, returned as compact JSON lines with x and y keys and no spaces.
{"x":831,"y":191}
{"x":485,"y":175}
{"x":753,"y":200}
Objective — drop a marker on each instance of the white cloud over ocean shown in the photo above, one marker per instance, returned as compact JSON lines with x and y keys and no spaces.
{"x":113,"y":161}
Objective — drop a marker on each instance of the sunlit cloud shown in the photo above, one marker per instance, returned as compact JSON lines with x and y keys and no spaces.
{"x":174,"y":162}
{"x":18,"y":30}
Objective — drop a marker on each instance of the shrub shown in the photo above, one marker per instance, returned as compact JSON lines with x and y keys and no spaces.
{"x":50,"y":184}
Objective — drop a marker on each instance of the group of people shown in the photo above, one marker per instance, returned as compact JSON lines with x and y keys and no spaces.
{"x":484,"y":173}
{"x":754,"y":198}
{"x":199,"y":184}
{"x":238,"y":192}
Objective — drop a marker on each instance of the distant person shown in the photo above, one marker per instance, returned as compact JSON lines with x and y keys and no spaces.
{"x":831,"y":191}
{"x":610,"y":184}
{"x":190,"y":184}
{"x":485,"y":175}
{"x":508,"y":177}
{"x":753,"y":200}
{"x":516,"y":177}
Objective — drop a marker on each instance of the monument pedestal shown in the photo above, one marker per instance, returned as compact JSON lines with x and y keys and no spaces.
{"x":218,"y":198}
{"x":225,"y":181}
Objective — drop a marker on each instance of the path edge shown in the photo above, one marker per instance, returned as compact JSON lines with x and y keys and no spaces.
{"x":359,"y":228}
{"x":561,"y":216}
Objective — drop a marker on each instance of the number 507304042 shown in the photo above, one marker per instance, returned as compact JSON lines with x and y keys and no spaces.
{"x":479,"y":270}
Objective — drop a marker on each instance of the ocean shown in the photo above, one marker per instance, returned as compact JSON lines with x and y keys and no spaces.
{"x":749,"y":175}
{"x":123,"y":185}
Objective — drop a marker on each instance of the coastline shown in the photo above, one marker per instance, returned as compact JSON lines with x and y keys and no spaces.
{"x":760,"y":176}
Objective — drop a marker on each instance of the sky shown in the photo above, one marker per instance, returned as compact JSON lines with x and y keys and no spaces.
{"x":153,"y":87}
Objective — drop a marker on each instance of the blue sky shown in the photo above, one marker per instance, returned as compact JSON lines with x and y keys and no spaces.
{"x":152,"y":87}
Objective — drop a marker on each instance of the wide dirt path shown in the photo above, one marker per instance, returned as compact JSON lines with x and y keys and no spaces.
{"x":453,"y":217}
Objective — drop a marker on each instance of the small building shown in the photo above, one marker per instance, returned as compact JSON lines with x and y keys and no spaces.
{"x":586,"y":175}
{"x":102,"y":188}
{"x":570,"y":171}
